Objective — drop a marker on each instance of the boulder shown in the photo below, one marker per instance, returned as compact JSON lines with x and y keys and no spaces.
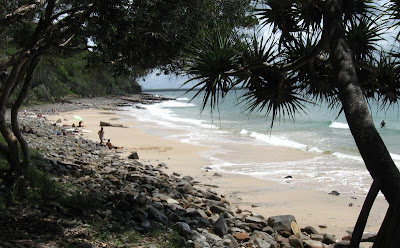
{"x":334,"y":192}
{"x":309,"y":230}
{"x":211,"y":196}
{"x":241,"y":236}
{"x":157,"y":215}
{"x":261,"y":243}
{"x":295,"y":242}
{"x":133,"y":155}
{"x":234,"y":243}
{"x":218,"y":210}
{"x":212,"y":237}
{"x":342,"y":244}
{"x":264,"y":236}
{"x":313,"y":244}
{"x":329,"y":239}
{"x":252,"y":219}
{"x":220,"y":227}
{"x":183,"y":228}
{"x":317,"y":237}
{"x":281,"y":222}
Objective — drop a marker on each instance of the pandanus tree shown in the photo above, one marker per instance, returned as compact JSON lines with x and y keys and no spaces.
{"x":134,"y":36}
{"x":317,"y":50}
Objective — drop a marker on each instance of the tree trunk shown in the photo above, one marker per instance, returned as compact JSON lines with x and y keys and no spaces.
{"x":14,"y":114}
{"x":372,"y":149}
{"x":362,"y":219}
{"x":12,"y":142}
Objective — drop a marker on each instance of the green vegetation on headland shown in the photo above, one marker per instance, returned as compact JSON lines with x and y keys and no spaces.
{"x":59,"y":76}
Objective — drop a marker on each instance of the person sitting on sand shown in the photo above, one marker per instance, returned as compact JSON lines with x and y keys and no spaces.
{"x":110,"y":146}
{"x":101,"y":135}
{"x":80,"y":124}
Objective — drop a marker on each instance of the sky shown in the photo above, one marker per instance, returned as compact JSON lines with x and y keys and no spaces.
{"x":156,"y":80}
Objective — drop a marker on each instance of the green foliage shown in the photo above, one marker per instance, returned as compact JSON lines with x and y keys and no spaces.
{"x":210,"y":61}
{"x":58,"y":76}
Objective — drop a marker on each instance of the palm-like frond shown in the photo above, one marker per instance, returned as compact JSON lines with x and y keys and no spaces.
{"x":388,"y":79}
{"x":210,"y":62}
{"x":363,"y":35}
{"x":354,"y":9}
{"x":259,"y":51}
{"x":315,"y":77}
{"x":393,"y":11}
{"x":269,"y":92}
{"x":267,"y":88}
{"x":279,"y":14}
{"x":309,"y":13}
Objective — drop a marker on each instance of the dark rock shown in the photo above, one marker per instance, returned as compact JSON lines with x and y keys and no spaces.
{"x":162,"y":165}
{"x":329,"y":239}
{"x":234,"y":243}
{"x":281,"y":222}
{"x":285,"y":234}
{"x":218,"y":210}
{"x":368,"y":237}
{"x":106,"y":124}
{"x":187,"y":178}
{"x":172,"y":216}
{"x":287,"y":177}
{"x":253,"y":219}
{"x":157,"y":215}
{"x":268,"y":230}
{"x":334,"y":192}
{"x":183,"y":228}
{"x":220,"y":227}
{"x":309,"y":230}
{"x":211,"y":196}
{"x":264,"y":236}
{"x":342,"y":244}
{"x":261,"y":243}
{"x":295,"y":242}
{"x":133,"y":155}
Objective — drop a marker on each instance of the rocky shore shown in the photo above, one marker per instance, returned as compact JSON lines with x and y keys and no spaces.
{"x":144,"y":197}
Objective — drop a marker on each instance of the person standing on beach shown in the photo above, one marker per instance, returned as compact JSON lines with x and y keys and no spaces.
{"x":101,"y":135}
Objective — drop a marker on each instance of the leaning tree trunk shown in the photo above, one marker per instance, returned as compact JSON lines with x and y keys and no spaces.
{"x":12,"y":142}
{"x":372,"y":149}
{"x":14,"y":114}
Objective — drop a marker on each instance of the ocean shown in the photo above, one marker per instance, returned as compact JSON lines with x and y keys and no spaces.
{"x":335,"y":163}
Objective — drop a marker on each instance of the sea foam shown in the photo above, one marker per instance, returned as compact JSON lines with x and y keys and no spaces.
{"x":339,"y":125}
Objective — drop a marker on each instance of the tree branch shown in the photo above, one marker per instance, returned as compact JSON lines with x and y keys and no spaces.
{"x":21,"y":12}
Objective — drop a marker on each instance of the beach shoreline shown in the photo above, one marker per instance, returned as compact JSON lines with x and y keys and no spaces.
{"x":310,"y":207}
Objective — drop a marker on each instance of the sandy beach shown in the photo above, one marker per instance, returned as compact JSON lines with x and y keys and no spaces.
{"x":310,"y":207}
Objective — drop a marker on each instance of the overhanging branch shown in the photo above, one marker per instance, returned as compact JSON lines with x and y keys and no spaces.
{"x":21,"y":12}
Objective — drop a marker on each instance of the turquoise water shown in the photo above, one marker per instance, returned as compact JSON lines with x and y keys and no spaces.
{"x":336,"y":164}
